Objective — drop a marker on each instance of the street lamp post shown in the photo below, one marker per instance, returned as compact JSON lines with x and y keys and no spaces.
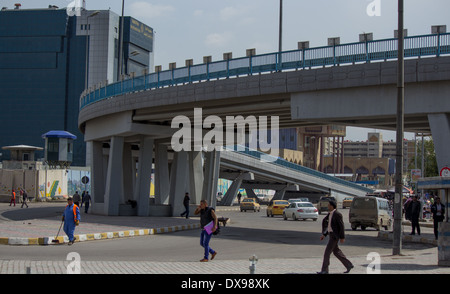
{"x":121,"y":57}
{"x":397,"y":237}
{"x":280,"y":36}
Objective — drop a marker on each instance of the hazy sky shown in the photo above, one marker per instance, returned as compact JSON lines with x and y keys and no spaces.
{"x":191,"y":29}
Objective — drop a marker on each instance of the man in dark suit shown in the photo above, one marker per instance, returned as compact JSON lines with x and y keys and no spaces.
{"x":414,"y":209}
{"x":438,"y":211}
{"x":333,"y":226}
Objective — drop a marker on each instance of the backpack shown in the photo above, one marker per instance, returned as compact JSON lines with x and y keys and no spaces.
{"x":217,"y":231}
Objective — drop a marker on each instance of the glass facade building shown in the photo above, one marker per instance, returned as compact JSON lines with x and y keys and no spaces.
{"x":44,"y":54}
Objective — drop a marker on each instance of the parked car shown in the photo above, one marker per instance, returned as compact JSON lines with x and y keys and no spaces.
{"x":347,"y":202}
{"x":301,"y":210}
{"x":250,"y":204}
{"x":323,"y":203}
{"x":276,"y":207}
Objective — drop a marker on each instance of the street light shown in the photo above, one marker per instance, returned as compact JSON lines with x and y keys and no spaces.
{"x":397,"y":234}
{"x":280,"y":37}
{"x":121,"y":57}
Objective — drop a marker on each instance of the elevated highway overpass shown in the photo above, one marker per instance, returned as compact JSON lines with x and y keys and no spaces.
{"x":351,"y":84}
{"x":247,"y":171}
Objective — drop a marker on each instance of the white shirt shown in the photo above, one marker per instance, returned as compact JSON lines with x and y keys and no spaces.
{"x":329,"y":221}
{"x":438,"y":209}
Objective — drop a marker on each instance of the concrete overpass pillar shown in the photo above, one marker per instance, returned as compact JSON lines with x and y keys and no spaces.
{"x":114,"y":177}
{"x":250,"y":193}
{"x":96,"y":162}
{"x":195,"y":176}
{"x":440,"y":130}
{"x":279,"y":194}
{"x":211,"y":177}
{"x":144,"y":175}
{"x":232,"y":191}
{"x":162,"y":183}
{"x":128,"y":174}
{"x":178,"y":181}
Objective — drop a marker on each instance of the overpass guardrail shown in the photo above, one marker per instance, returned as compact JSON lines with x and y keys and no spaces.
{"x":351,"y":53}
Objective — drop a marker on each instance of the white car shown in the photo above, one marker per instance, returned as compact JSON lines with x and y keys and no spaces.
{"x":301,"y":210}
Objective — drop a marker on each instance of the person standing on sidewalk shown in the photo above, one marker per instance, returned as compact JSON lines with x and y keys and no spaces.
{"x":87,"y":202}
{"x":438,"y":210}
{"x":71,"y":218}
{"x":25,"y":197}
{"x":186,"y":202}
{"x":414,"y":210}
{"x":207,"y":215}
{"x":13,"y":198}
{"x":76,"y":199}
{"x":333,"y":226}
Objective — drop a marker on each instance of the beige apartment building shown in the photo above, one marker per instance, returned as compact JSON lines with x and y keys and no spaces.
{"x":373,"y":160}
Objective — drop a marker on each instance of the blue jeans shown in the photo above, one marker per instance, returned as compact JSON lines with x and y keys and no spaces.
{"x":69,"y":229}
{"x":186,"y":212}
{"x":204,"y":242}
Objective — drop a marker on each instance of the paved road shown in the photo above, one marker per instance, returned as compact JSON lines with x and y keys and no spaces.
{"x":281,"y":246}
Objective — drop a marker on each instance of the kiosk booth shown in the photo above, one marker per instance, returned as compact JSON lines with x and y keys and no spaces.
{"x":442,"y":185}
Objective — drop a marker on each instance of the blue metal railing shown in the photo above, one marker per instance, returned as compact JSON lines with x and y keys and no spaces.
{"x":263,"y":157}
{"x":363,"y":52}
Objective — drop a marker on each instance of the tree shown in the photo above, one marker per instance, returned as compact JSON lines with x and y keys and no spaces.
{"x":430,"y":162}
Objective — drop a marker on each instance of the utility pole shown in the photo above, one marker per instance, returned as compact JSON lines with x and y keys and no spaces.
{"x":280,"y":37}
{"x":121,"y":55}
{"x":397,"y":238}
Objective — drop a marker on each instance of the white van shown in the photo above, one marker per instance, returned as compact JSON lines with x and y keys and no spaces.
{"x":369,"y":211}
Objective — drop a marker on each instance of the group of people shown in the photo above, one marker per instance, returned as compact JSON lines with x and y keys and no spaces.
{"x":23,"y":194}
{"x":85,"y":199}
{"x":413,"y":210}
{"x":332,"y":226}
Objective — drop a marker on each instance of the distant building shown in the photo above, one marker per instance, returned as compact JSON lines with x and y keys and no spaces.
{"x":371,"y":162}
{"x":375,"y":147}
{"x":317,"y":142}
{"x":43,"y":57}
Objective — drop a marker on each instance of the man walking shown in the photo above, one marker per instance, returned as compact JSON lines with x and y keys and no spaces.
{"x":71,"y":218}
{"x":13,"y":198}
{"x":333,"y":226}
{"x":207,"y":216}
{"x":76,"y":199}
{"x":438,"y":210}
{"x":186,"y":202}
{"x":25,"y":197}
{"x":87,"y":202}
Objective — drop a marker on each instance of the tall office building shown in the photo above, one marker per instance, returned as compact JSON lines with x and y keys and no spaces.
{"x":43,"y":58}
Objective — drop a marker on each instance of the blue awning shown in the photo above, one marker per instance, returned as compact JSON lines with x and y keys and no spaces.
{"x":59,"y":134}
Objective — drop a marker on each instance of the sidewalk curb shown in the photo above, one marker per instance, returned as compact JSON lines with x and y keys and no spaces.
{"x":96,"y":236}
{"x":408,"y":238}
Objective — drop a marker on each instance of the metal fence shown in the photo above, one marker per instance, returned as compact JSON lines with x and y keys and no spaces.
{"x":352,"y":53}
